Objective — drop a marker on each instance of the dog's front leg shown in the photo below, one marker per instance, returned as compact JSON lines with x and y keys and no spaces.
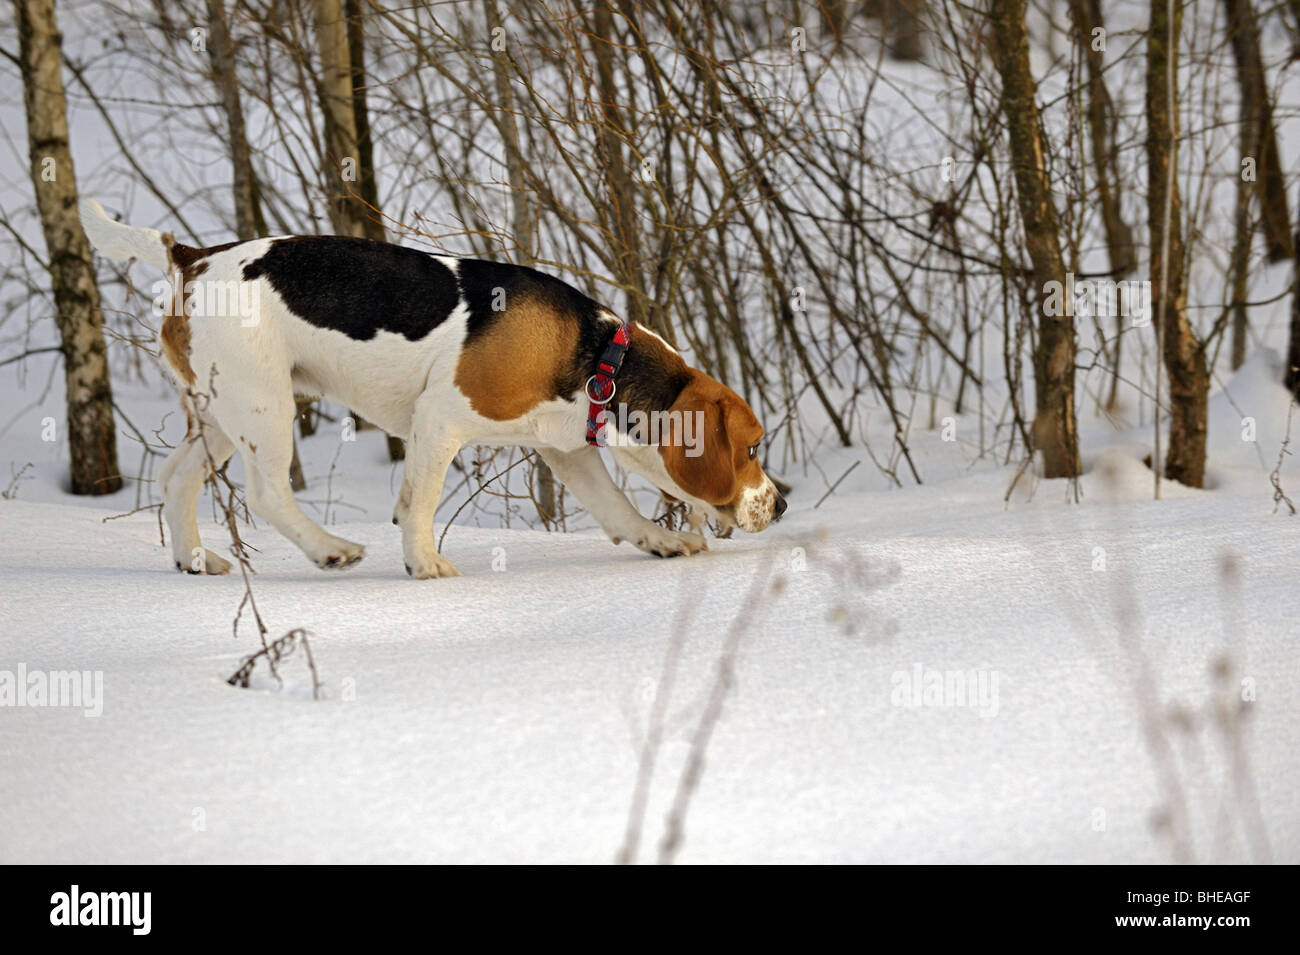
{"x":429,"y":452}
{"x":584,"y":473}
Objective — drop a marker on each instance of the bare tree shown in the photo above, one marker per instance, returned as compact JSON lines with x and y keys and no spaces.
{"x":1086,"y":21}
{"x":336,"y":99}
{"x":1263,"y":175}
{"x":1293,"y":345}
{"x":1055,"y":428}
{"x":367,"y":182}
{"x":92,"y":436}
{"x":249,"y":223}
{"x":1257,"y":114}
{"x":1184,"y":355}
{"x":613,"y":131}
{"x":904,"y":28}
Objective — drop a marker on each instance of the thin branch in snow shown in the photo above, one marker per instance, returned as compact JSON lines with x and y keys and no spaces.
{"x":1279,"y":495}
{"x":755,"y":601}
{"x":275,"y":653}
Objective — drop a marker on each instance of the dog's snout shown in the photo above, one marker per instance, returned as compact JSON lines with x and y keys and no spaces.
{"x":780,"y":506}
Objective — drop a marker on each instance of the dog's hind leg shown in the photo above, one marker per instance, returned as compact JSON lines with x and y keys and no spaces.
{"x":181,"y":479}
{"x":263,"y":433}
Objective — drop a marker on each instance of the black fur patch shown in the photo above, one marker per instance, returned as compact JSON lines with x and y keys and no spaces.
{"x":492,"y":287}
{"x":358,"y":286}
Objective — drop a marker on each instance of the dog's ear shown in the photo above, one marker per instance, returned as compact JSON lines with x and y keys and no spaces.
{"x":697,"y":450}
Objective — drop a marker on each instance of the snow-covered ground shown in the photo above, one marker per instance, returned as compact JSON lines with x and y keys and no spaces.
{"x":500,"y":716}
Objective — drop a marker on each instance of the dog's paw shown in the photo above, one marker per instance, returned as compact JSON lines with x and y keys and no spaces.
{"x":662,"y":542}
{"x":429,"y":568}
{"x":209,"y":563}
{"x":343,"y":555}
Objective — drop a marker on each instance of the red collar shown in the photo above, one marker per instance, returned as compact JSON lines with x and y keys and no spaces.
{"x":600,"y":386}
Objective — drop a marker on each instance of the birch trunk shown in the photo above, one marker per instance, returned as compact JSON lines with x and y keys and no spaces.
{"x":1189,"y":381}
{"x":92,"y":434}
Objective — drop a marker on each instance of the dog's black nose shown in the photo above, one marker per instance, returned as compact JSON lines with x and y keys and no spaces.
{"x":780,"y":506}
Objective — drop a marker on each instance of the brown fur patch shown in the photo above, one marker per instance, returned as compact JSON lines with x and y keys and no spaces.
{"x":725,"y":469}
{"x":519,"y":363}
{"x":174,"y":336}
{"x":183,"y":256}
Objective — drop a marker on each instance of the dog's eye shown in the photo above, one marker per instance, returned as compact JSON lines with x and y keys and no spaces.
{"x":753,"y":452}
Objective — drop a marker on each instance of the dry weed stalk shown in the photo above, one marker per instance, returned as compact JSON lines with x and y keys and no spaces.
{"x":275,"y":653}
{"x":1275,"y":478}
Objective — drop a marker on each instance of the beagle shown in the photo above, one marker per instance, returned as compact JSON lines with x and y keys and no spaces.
{"x":439,"y":351}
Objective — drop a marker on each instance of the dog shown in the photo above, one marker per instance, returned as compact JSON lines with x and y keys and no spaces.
{"x":441,"y":352}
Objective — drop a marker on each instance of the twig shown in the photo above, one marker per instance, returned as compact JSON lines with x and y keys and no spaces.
{"x":144,"y":507}
{"x":11,"y":491}
{"x":477,"y":492}
{"x":275,"y":653}
{"x":831,"y":489}
{"x":30,"y":351}
{"x":1279,"y":496}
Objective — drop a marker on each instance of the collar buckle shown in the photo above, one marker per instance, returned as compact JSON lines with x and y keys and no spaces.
{"x":603,"y":380}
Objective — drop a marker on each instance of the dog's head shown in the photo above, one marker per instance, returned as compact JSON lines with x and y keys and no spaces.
{"x":710,"y":453}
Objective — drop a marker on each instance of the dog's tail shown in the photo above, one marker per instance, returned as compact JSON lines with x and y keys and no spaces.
{"x":119,"y":241}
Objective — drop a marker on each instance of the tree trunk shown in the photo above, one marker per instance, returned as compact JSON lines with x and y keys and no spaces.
{"x":1293,"y":348}
{"x":92,"y":434}
{"x":1184,"y":358}
{"x":835,"y":18}
{"x":341,"y":161}
{"x":1055,"y":429}
{"x":903,"y":29}
{"x":1239,"y":263}
{"x":367,"y":184}
{"x":249,"y":223}
{"x":1101,"y":127}
{"x":1086,"y":17}
{"x":1243,"y":32}
{"x":620,"y":188}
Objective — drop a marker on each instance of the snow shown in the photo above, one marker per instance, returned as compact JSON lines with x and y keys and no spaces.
{"x":500,"y":716}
